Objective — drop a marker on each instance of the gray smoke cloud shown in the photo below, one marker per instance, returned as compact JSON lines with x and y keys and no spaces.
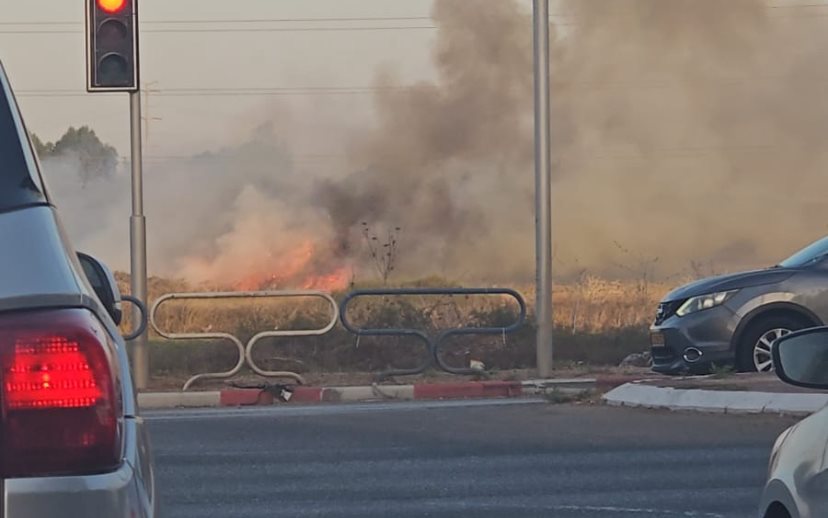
{"x":684,"y":130}
{"x":450,"y":161}
{"x":230,"y":217}
{"x":689,"y":130}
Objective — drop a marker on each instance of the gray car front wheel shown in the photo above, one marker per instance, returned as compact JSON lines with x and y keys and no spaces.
{"x":754,"y":346}
{"x":762,"y":359}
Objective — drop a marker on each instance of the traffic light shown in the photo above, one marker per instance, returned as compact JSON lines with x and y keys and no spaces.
{"x":112,"y":45}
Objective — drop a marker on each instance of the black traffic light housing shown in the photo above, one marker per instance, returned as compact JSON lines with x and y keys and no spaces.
{"x":112,"y":46}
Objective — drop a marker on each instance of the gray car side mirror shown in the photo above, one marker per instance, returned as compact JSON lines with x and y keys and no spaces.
{"x":104,"y":285}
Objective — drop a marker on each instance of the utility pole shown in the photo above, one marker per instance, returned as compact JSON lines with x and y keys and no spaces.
{"x":146,"y":116}
{"x":543,"y":189}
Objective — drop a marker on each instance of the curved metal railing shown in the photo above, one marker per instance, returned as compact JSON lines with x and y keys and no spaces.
{"x":199,"y":336}
{"x":142,"y":325}
{"x":291,"y":333}
{"x":432,"y":344}
{"x":245,"y":350}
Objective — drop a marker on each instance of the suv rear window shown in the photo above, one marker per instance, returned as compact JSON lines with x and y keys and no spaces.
{"x":20,"y":182}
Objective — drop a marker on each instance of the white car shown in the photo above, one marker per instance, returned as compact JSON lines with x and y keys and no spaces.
{"x":72,"y":443}
{"x":798,"y":473}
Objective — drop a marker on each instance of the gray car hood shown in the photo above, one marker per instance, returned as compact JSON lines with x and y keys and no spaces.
{"x":732,"y":281}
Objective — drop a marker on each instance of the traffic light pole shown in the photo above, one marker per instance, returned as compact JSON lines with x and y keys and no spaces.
{"x":112,"y":65}
{"x":543,"y":189}
{"x":138,"y":242}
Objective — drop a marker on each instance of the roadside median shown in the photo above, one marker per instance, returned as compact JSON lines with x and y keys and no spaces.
{"x":732,"y":394}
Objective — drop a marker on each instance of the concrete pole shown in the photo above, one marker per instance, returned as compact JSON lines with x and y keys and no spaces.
{"x":543,"y":188}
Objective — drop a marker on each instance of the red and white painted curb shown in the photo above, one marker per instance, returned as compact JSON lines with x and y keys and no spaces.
{"x":420,"y":391}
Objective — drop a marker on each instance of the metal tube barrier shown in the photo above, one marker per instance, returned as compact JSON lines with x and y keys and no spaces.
{"x":142,"y":325}
{"x":288,"y":333}
{"x":245,"y":352}
{"x":199,"y":336}
{"x":433,"y":345}
{"x":443,"y":337}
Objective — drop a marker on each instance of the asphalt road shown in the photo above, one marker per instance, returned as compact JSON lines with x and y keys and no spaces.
{"x":477,"y":459}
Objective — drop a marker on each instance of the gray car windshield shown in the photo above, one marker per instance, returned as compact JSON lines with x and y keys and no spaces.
{"x":808,"y":255}
{"x":20,"y":183}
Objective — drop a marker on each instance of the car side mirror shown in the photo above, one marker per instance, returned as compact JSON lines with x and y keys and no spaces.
{"x":105,"y":286}
{"x":801,"y":358}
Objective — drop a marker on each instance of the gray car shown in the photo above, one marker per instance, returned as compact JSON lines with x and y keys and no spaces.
{"x":734,"y":319}
{"x":798,"y":468}
{"x":71,"y":440}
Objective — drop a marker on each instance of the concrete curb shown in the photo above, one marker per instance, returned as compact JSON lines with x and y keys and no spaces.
{"x":717,"y":401}
{"x":420,"y":391}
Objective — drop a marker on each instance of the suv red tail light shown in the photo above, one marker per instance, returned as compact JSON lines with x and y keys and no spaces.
{"x":60,"y":397}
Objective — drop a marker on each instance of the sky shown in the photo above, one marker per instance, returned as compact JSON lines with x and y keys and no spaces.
{"x":175,"y":60}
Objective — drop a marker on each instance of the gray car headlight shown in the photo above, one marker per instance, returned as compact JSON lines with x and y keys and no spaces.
{"x":702,"y":302}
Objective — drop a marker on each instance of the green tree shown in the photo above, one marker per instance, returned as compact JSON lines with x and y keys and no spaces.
{"x":42,"y":149}
{"x":95,"y":158}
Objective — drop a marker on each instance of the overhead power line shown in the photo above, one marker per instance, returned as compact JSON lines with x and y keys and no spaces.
{"x":202,"y":157}
{"x":294,"y":29}
{"x":224,"y":92}
{"x":240,"y":20}
{"x":582,"y":86}
{"x":343,"y":19}
{"x":62,"y":27}
{"x":220,"y":25}
{"x":236,"y":29}
{"x":796,"y":6}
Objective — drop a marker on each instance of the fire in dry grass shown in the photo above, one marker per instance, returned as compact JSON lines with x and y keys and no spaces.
{"x":338,"y":280}
{"x":306,"y":266}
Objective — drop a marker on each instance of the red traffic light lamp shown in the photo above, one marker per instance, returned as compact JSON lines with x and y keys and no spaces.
{"x":112,"y":6}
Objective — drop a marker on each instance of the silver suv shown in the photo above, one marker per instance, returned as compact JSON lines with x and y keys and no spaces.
{"x":71,"y":440}
{"x":734,"y":319}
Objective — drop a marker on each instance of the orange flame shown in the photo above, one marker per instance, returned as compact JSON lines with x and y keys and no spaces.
{"x":299,"y":268}
{"x":338,"y":280}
